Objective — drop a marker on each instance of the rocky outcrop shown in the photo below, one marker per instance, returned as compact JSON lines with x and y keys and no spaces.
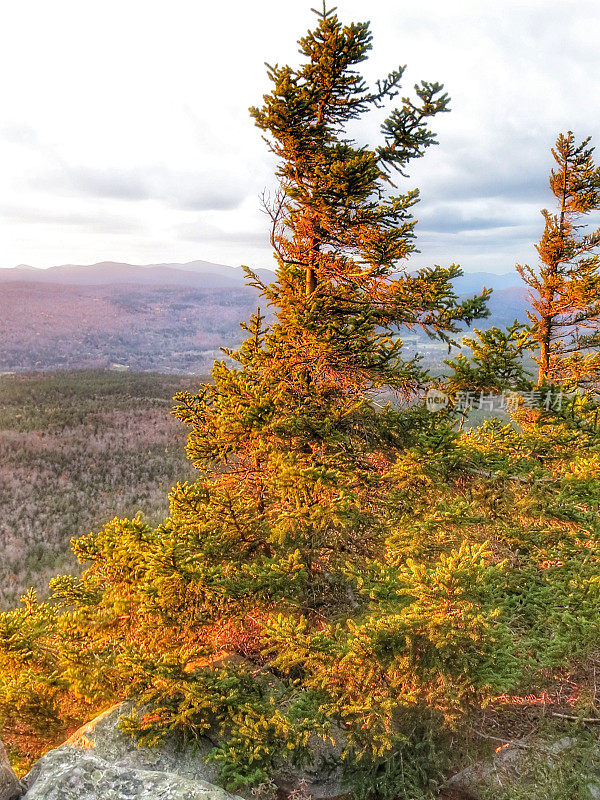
{"x":10,"y":786}
{"x":511,"y":765}
{"x":99,"y":762}
{"x":72,"y":774}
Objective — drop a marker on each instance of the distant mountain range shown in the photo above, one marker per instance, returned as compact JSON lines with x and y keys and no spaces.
{"x":197,"y":274}
{"x":472,"y":282}
{"x":164,"y":317}
{"x":201,"y":274}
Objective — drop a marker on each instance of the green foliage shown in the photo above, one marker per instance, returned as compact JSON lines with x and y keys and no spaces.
{"x":339,"y":235}
{"x":487,"y":581}
{"x":60,"y":401}
{"x":412,"y":769}
{"x":496,"y":361}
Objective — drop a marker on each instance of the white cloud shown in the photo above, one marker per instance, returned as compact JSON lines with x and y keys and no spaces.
{"x":125,"y":135}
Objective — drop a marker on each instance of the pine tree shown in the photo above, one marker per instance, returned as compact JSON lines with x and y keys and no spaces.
{"x":290,"y":443}
{"x":565,"y":289}
{"x":255,"y":570}
{"x":338,"y":568}
{"x":338,"y":232}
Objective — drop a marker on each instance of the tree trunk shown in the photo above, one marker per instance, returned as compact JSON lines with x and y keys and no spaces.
{"x":544,"y":342}
{"x":311,"y":281}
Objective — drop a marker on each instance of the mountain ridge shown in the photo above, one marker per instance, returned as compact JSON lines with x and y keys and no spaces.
{"x":197,"y":274}
{"x":163,"y":317}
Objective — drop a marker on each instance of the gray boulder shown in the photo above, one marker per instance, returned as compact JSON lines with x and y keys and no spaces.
{"x":10,"y":786}
{"x":515,"y":765}
{"x":99,"y":762}
{"x":71,"y":774}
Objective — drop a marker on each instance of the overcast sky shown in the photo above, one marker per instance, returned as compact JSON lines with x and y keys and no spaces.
{"x":125,"y":135}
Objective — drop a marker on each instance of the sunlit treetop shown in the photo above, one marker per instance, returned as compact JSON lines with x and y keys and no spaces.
{"x":565,"y":286}
{"x":341,"y":230}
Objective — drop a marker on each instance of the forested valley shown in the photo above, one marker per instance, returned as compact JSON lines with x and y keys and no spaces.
{"x":76,"y":449}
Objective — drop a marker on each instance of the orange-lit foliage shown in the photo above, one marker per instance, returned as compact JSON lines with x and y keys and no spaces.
{"x":565,"y":289}
{"x":338,"y":568}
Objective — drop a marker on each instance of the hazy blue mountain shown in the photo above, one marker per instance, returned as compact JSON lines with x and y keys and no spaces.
{"x":509,"y":299}
{"x":474,"y":281}
{"x":200,"y":274}
{"x":505,"y":306}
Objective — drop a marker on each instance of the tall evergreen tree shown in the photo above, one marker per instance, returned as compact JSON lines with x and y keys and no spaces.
{"x":289,"y":443}
{"x":339,"y":234}
{"x":565,"y":289}
{"x":259,"y":557}
{"x":337,"y":568}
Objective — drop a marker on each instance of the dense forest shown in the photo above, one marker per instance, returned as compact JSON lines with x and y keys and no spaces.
{"x":76,"y":449}
{"x":168,"y":329}
{"x":163,"y":328}
{"x":382,"y":575}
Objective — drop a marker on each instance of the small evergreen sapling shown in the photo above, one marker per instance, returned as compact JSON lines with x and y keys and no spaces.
{"x":496,"y":362}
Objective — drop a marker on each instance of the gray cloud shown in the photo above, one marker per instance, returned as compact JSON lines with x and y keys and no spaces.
{"x":518,"y":72}
{"x":95,"y":222}
{"x":109,"y":183}
{"x":485,"y":186}
{"x":486,"y":238}
{"x":20,"y":134}
{"x":181,"y":190}
{"x":449,"y":220}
